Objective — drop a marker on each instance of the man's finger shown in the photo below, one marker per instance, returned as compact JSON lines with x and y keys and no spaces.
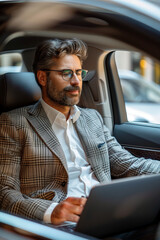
{"x":73,"y":218}
{"x":77,"y":201}
{"x":68,"y":210}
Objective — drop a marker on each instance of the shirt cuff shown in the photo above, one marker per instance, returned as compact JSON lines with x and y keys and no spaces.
{"x":48,"y":212}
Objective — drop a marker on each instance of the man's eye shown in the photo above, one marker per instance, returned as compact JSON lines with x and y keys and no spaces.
{"x":79,"y":73}
{"x":67,"y":73}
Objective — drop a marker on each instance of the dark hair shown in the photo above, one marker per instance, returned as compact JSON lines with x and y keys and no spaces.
{"x":50,"y":50}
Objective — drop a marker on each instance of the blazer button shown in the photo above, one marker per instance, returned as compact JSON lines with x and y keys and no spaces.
{"x":63,"y":184}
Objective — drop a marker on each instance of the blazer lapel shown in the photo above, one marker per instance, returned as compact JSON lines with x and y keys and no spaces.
{"x":38,"y":119}
{"x":93,"y":147}
{"x":84,"y":135}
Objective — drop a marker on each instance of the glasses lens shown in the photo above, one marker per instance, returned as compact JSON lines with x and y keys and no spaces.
{"x":84,"y":73}
{"x":67,"y":74}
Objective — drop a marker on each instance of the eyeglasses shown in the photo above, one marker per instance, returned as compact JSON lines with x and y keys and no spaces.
{"x":67,"y":74}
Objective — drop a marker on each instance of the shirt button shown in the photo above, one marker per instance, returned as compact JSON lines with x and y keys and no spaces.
{"x":63,"y":184}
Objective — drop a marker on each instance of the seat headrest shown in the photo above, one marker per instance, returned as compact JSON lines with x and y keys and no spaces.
{"x":90,"y":75}
{"x":90,"y":90}
{"x":18,"y":90}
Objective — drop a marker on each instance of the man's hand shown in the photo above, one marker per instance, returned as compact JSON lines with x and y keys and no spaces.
{"x":68,"y":210}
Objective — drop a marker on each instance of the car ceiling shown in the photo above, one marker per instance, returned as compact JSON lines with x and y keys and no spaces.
{"x":24,"y":24}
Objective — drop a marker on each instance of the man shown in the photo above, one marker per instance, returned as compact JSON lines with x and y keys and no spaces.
{"x":52,"y":153}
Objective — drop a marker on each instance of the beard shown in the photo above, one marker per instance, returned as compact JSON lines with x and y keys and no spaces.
{"x":61,"y":97}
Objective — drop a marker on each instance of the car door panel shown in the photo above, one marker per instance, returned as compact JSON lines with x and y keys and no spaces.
{"x":142,"y":140}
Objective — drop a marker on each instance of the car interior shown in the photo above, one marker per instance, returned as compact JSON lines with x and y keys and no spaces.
{"x":102,"y":90}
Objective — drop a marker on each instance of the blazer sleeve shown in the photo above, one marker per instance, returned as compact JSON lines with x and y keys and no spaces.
{"x":123,"y":163}
{"x":11,"y":198}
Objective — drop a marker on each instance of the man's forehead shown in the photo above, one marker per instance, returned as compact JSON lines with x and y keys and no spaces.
{"x":67,"y":60}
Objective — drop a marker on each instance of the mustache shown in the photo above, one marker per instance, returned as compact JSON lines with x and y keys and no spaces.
{"x":72,"y":88}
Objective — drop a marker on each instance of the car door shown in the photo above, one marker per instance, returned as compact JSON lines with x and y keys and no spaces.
{"x":141,"y":139}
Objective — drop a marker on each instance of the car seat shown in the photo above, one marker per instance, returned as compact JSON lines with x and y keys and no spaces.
{"x":21,"y":89}
{"x":18,"y":90}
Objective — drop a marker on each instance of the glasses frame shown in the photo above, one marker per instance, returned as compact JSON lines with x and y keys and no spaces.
{"x":62,"y":72}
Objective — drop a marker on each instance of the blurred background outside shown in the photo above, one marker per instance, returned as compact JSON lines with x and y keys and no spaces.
{"x":140,"y":80}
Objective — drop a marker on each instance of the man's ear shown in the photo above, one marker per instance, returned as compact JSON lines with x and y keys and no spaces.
{"x":42,"y":78}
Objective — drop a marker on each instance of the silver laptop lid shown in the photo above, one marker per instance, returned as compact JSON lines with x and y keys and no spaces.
{"x":120,"y":206}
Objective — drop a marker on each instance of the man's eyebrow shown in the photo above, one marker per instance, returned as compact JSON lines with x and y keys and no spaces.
{"x":71,"y":69}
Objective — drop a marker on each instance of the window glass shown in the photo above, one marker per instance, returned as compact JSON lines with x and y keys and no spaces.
{"x":140,"y":80}
{"x":10,"y":62}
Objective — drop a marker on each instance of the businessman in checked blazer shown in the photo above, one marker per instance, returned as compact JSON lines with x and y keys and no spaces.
{"x":52,"y":153}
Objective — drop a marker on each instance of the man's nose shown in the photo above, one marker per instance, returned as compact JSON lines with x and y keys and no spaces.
{"x":75,"y":80}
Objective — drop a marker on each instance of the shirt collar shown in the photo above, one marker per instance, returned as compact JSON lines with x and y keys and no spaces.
{"x":53,"y":114}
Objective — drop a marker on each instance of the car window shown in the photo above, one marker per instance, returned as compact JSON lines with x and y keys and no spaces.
{"x":10,"y":62}
{"x":140,"y":81}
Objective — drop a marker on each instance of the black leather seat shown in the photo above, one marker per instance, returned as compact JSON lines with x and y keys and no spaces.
{"x":21,"y":89}
{"x":18,"y":90}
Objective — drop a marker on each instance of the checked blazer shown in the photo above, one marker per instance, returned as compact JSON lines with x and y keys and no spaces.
{"x":33,"y":170}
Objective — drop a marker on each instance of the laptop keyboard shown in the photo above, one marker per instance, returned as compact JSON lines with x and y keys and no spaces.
{"x":67,"y":227}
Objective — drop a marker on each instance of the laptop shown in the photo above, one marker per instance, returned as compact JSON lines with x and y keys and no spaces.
{"x":120,"y":206}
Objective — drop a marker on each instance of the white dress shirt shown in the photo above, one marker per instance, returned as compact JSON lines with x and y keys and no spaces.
{"x":80,"y":175}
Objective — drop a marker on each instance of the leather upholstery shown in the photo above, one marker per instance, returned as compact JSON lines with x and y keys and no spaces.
{"x":17,"y":90}
{"x":21,"y":89}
